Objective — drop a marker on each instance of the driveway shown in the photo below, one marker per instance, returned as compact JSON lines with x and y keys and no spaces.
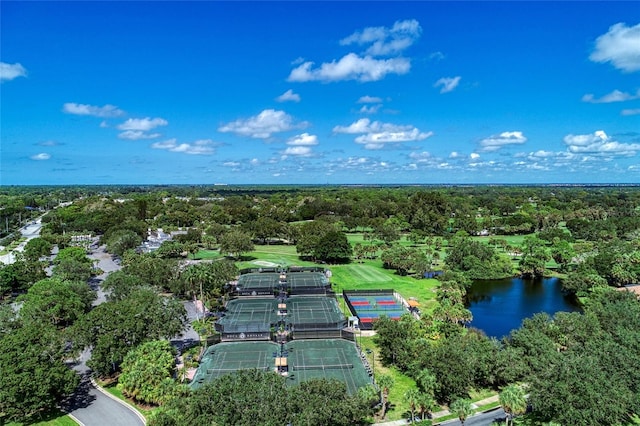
{"x":95,"y":407}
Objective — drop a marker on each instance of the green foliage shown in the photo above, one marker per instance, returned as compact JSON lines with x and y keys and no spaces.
{"x":310,"y":235}
{"x":115,"y":327}
{"x":170,"y":250}
{"x":251,"y":397}
{"x":78,"y":254}
{"x":34,"y":376}
{"x":71,"y":269}
{"x":54,"y":302}
{"x":333,"y":247}
{"x":405,"y":259}
{"x":513,"y":401}
{"x":236,"y":242}
{"x":207,"y":280}
{"x":534,"y":257}
{"x":477,"y":260}
{"x":462,"y":409}
{"x":36,"y":248}
{"x":123,"y":240}
{"x":584,"y":368}
{"x":119,"y":284}
{"x":397,"y":339}
{"x":147,"y":372}
{"x":19,"y":276}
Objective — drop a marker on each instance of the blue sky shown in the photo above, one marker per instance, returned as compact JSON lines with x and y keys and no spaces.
{"x":317,"y":93}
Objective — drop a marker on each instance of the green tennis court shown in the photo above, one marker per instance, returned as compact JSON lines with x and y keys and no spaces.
{"x":259,"y":280}
{"x":226,"y":358}
{"x":330,"y":358}
{"x":249,"y":315}
{"x":313,"y":310}
{"x":306,"y":279}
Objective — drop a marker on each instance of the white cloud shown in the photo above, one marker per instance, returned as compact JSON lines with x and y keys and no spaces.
{"x":360,"y":126}
{"x":289,"y":95}
{"x":199,"y":147}
{"x":421,"y":157}
{"x":384,"y":41}
{"x":49,"y":143}
{"x":376,"y":140}
{"x":304,"y":139}
{"x":142,"y":124}
{"x":620,"y":46}
{"x":369,"y":100}
{"x":134,"y":135}
{"x":454,"y":154}
{"x":615,"y":96}
{"x":635,"y":111}
{"x":11,"y":71}
{"x":371,"y":109}
{"x":254,"y":162}
{"x":104,"y":124}
{"x":41,"y":157}
{"x":599,"y":143}
{"x":375,"y":134}
{"x":495,"y":142}
{"x":447,"y":83}
{"x":263,"y":125}
{"x":474,"y":156}
{"x":105,"y":111}
{"x":351,"y":67}
{"x":231,"y":164}
{"x":300,"y":151}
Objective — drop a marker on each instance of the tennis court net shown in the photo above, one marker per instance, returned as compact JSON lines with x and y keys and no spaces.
{"x":323,"y":367}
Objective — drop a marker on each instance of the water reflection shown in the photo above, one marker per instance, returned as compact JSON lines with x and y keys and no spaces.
{"x":499,"y":306}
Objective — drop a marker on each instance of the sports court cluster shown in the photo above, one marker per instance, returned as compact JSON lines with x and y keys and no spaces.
{"x":289,"y":321}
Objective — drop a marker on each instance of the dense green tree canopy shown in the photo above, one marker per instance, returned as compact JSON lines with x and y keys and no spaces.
{"x":250,"y":397}
{"x":115,"y":327}
{"x":34,"y":376}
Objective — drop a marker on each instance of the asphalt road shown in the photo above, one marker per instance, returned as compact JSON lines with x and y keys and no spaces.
{"x":94,"y":407}
{"x":30,"y":231}
{"x":482,"y":419}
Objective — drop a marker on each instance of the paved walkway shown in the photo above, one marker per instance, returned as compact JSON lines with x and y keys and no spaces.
{"x":439,"y":414}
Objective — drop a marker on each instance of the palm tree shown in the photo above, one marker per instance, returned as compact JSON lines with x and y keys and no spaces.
{"x":513,"y":401}
{"x":426,"y":403}
{"x":461,"y":408}
{"x":412,"y":396}
{"x":385,"y":382}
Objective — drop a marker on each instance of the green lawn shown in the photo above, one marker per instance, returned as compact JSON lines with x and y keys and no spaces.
{"x":370,"y":275}
{"x":399,"y":409}
{"x":56,"y":418}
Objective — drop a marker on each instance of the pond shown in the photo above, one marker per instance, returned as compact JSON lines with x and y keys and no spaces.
{"x":499,"y":306}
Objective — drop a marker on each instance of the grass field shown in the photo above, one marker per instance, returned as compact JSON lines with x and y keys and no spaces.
{"x":57,"y":418}
{"x":370,"y":275}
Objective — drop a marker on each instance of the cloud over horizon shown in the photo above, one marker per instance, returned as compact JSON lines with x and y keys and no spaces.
{"x":199,"y":147}
{"x":374,"y":135}
{"x":496,"y":142}
{"x":263,"y":125}
{"x":599,"y":142}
